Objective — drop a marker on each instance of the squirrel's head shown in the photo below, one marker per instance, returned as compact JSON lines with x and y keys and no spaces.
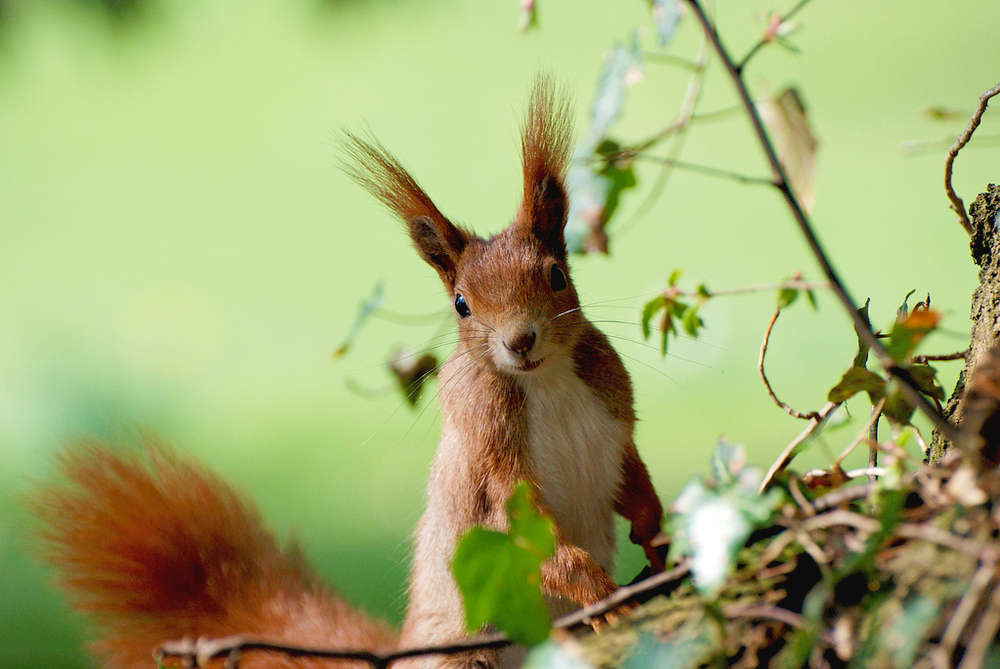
{"x":512,"y":294}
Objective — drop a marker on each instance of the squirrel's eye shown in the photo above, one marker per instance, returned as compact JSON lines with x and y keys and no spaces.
{"x":461,"y":307}
{"x":557,"y":279}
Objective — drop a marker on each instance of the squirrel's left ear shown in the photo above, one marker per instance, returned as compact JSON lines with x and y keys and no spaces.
{"x":545,"y":141}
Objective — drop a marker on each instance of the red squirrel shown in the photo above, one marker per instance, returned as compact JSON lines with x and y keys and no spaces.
{"x":159,"y":550}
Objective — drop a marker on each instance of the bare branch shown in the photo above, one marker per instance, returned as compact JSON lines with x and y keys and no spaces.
{"x":957,"y":205}
{"x":907,"y":384}
{"x":203,"y":650}
{"x":924,"y":359}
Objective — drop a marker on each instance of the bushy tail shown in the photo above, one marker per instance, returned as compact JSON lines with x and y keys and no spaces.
{"x":154,"y":547}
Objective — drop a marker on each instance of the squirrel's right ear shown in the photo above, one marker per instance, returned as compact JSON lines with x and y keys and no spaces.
{"x":437,"y":240}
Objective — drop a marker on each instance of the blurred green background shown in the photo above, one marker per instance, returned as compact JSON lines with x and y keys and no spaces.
{"x":180,"y":253}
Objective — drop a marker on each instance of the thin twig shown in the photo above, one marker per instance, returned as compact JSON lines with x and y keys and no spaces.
{"x":775,"y":613}
{"x":957,"y":205}
{"x":791,"y":284}
{"x":967,"y":605}
{"x":873,"y":438}
{"x":924,"y":359}
{"x":202,"y":650}
{"x":941,"y":537}
{"x":866,"y":432}
{"x":705,"y":169}
{"x":798,"y":443}
{"x":767,"y":384}
{"x":843,"y":495}
{"x":679,"y":129}
{"x":765,"y":40}
{"x":984,"y":634}
{"x":908,"y":385}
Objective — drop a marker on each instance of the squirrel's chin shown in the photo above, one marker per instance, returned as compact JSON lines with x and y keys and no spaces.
{"x":521,"y":368}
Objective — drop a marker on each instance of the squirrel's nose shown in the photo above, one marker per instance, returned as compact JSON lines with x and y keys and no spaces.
{"x":522,"y":343}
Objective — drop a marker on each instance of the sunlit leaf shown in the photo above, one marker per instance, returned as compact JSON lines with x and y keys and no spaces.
{"x":786,"y":296}
{"x":907,"y":334}
{"x":691,"y":320}
{"x":785,"y":117}
{"x":727,"y":461}
{"x":675,"y":276}
{"x":594,"y":190}
{"x":712,"y":520}
{"x":666,"y":15}
{"x":855,"y":380}
{"x":499,"y":574}
{"x":552,"y":655}
{"x":650,"y":310}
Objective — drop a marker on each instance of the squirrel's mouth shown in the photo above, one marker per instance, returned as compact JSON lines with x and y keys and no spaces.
{"x":530,"y":365}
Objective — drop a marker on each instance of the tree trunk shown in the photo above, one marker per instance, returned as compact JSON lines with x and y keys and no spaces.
{"x":985,"y":247}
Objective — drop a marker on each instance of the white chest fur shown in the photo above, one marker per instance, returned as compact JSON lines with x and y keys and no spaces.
{"x":575,"y":447}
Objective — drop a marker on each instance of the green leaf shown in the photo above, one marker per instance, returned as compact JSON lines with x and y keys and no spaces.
{"x":650,"y":310}
{"x":690,"y":648}
{"x":552,"y":655}
{"x":926,"y":379}
{"x":854,"y":381}
{"x":675,"y":276}
{"x":786,"y":296}
{"x":904,"y":310}
{"x":811,"y":296}
{"x":499,"y":574}
{"x":907,"y":334}
{"x":897,"y":408}
{"x":618,"y":177}
{"x":728,"y":460}
{"x":711,"y":521}
{"x":691,"y":320}
{"x":861,"y":359}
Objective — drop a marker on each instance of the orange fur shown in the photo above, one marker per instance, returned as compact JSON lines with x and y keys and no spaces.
{"x":534,"y":391}
{"x":154,"y":547}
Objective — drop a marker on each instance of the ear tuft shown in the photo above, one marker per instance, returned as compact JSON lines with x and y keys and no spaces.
{"x":546,"y":139}
{"x":437,"y":240}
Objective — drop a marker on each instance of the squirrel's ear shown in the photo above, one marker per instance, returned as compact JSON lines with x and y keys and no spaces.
{"x":437,"y":240}
{"x":545,"y":141}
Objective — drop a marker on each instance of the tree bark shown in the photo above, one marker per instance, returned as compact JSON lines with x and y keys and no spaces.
{"x":983,"y":350}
